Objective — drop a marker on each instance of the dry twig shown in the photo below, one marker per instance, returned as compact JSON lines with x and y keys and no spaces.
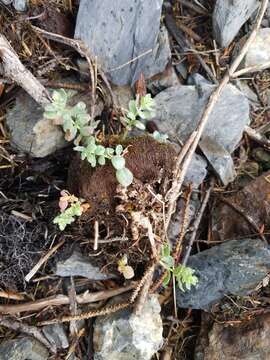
{"x":29,"y":330}
{"x":59,"y":300}
{"x":13,"y":69}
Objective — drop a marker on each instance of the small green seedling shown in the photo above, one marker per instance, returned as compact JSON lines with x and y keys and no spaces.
{"x":162,"y":138}
{"x":70,"y":207}
{"x":124,"y":268}
{"x":184,"y":275}
{"x":141,"y":108}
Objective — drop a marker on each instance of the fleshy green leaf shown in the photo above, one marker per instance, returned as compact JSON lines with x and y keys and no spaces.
{"x":139,"y":125}
{"x":118,"y":149}
{"x":124,"y":176}
{"x":100,"y":150}
{"x":167,"y":279}
{"x":118,"y":162}
{"x":101,"y":160}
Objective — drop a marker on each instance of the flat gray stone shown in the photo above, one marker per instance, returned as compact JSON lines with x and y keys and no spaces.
{"x":79,"y":265}
{"x":197,"y":171}
{"x":31,"y":133}
{"x":235,"y":267}
{"x":228,"y":18}
{"x":56,"y":335}
{"x":120,"y":31}
{"x":24,"y":348}
{"x":219,"y":158}
{"x":125,"y":335}
{"x":179,"y":110}
{"x":259,"y":51}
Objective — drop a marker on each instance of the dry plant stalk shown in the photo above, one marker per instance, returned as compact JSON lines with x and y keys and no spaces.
{"x":108,"y":309}
{"x":13,"y":69}
{"x":59,"y":300}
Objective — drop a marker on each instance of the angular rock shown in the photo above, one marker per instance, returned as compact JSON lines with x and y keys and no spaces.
{"x":31,"y":133}
{"x":243,"y":86}
{"x":253,"y":200}
{"x":24,"y":348}
{"x":20,"y":5}
{"x":122,"y":31}
{"x":259,"y":51}
{"x":249,"y":340}
{"x":179,"y":110}
{"x":163,"y":81}
{"x":196,"y":172}
{"x":56,"y":335}
{"x":228,"y":18}
{"x":219,"y":158}
{"x":235,"y":267}
{"x":124,"y":335}
{"x":79,"y":265}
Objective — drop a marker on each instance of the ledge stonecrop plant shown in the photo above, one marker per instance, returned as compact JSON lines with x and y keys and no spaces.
{"x":79,"y":128}
{"x":184,"y":275}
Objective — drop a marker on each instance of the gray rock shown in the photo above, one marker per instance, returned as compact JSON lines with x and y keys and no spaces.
{"x":235,"y":267}
{"x":125,"y":336}
{"x":196,"y":172}
{"x":228,"y":18}
{"x":219,"y":158}
{"x":6,"y":2}
{"x":245,"y":340}
{"x":33,"y":134}
{"x":24,"y":348}
{"x":243,"y":86}
{"x":259,"y":51}
{"x":121,"y":31}
{"x":179,"y":110}
{"x":79,"y":265}
{"x":20,"y":5}
{"x":30,"y":132}
{"x":56,"y":335}
{"x":163,"y":81}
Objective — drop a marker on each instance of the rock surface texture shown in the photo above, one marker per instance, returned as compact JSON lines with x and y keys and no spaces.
{"x":126,"y":336}
{"x":234,"y":267}
{"x":228,"y":18}
{"x":79,"y":265}
{"x":179,"y":110}
{"x":24,"y":348}
{"x":247,"y":340}
{"x":120,"y":31}
{"x":31,"y":133}
{"x":259,"y":51}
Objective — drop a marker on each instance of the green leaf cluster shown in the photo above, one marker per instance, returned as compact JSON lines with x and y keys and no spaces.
{"x":74,"y":119}
{"x":76,"y":122}
{"x":141,"y":108}
{"x":68,"y":216}
{"x":184,"y":275}
{"x":162,"y":138}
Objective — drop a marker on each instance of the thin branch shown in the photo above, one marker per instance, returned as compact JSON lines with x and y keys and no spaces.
{"x":12,"y":68}
{"x":29,"y":330}
{"x":42,"y":261}
{"x":59,"y":300}
{"x":197,"y":223}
